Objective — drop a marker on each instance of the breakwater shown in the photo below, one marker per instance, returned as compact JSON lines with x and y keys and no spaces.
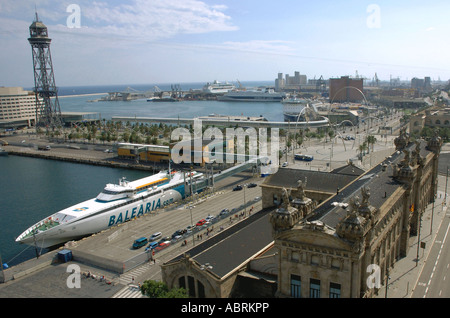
{"x":76,"y":159}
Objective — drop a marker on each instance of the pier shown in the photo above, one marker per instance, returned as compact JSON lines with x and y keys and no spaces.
{"x":227,"y":121}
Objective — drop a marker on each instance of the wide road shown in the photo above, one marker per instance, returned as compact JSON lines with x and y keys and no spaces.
{"x":115,"y":243}
{"x":433,"y":282}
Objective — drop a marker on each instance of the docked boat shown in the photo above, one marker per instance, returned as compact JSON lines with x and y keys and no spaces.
{"x":117,"y":203}
{"x":299,"y":110}
{"x":267,"y":95}
{"x":218,"y":87}
{"x":162,"y":99}
{"x":3,"y":152}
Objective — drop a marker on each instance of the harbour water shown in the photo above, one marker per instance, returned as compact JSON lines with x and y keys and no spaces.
{"x":31,"y":189}
{"x":183,"y":109}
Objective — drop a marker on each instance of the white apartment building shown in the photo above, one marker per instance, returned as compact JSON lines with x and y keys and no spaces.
{"x":17,"y":107}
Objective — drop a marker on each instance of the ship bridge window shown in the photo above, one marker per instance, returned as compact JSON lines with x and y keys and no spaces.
{"x":113,"y":192}
{"x":110,"y":192}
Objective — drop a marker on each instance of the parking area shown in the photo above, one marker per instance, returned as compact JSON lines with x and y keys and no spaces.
{"x":173,"y":228}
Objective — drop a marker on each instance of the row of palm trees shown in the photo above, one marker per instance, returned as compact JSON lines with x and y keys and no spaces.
{"x":110,"y":131}
{"x":368,"y":142}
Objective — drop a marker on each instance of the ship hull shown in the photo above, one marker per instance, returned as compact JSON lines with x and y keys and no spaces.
{"x":99,"y":221}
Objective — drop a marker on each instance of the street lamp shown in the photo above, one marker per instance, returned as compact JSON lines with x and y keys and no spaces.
{"x":245,"y":205}
{"x":192,"y":230}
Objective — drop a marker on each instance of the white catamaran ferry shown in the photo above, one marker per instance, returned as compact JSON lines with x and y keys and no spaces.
{"x":116,"y":204}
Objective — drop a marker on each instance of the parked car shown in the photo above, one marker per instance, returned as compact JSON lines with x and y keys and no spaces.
{"x":285,"y":164}
{"x":151,"y":246}
{"x":162,"y":246}
{"x":44,"y":148}
{"x":224,"y":212}
{"x":176,"y":238}
{"x":142,"y":241}
{"x":210,"y":218}
{"x":201,"y":222}
{"x":155,"y":236}
{"x":252,"y":185}
{"x":164,"y":239}
{"x":237,"y":188}
{"x":178,"y":233}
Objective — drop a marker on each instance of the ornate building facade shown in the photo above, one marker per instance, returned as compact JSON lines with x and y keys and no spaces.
{"x":328,"y":235}
{"x":347,"y":245}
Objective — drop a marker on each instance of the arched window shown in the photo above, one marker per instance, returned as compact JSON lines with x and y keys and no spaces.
{"x":201,"y":290}
{"x":182,"y":282}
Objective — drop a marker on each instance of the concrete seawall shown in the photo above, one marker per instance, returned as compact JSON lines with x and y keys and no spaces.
{"x":107,"y":162}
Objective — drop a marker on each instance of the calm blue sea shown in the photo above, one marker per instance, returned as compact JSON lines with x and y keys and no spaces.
{"x":142,"y":108}
{"x":31,"y":189}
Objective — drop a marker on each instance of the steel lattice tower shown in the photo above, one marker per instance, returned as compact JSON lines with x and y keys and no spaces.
{"x":48,"y":112}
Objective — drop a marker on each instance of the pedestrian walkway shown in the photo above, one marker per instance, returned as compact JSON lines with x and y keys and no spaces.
{"x":131,"y":291}
{"x":404,"y":276}
{"x":134,"y":276}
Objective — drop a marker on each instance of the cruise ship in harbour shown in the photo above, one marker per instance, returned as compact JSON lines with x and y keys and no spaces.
{"x":117,"y":203}
{"x":267,"y":95}
{"x":218,"y":87}
{"x":300,"y":110}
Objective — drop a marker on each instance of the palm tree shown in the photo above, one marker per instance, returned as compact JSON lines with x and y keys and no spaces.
{"x":371,"y":140}
{"x":361,"y":149}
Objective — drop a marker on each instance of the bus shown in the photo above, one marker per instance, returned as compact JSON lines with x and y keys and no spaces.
{"x":303,"y":157}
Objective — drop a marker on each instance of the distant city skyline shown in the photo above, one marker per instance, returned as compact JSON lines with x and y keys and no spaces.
{"x":183,"y":41}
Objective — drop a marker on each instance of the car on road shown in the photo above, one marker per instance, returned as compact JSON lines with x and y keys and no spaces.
{"x":237,"y":188}
{"x":303,"y":157}
{"x":252,"y":185}
{"x":152,"y":246}
{"x":201,"y":222}
{"x":162,"y":246}
{"x":224,"y":212}
{"x":164,"y":239}
{"x":44,"y":148}
{"x":155,"y":236}
{"x":142,"y":241}
{"x":179,"y":233}
{"x":176,"y":238}
{"x":210,"y":218}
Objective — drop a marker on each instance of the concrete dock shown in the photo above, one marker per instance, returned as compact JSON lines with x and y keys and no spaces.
{"x":108,"y":256}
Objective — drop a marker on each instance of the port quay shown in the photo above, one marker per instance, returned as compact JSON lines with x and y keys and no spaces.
{"x":240,"y":121}
{"x":331,"y":187}
{"x":116,"y":270}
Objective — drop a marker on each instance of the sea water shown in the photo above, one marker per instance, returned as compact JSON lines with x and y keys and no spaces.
{"x":32,"y":189}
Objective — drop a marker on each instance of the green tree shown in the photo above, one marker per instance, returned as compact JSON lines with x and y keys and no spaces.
{"x":362,"y":147}
{"x":154,"y":289}
{"x":371,"y":140}
{"x":331,"y":134}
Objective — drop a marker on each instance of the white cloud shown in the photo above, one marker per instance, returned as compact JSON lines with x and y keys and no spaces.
{"x":155,"y":19}
{"x":261,"y":46}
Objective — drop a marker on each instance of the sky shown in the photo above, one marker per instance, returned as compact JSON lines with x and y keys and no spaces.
{"x":182,"y":41}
